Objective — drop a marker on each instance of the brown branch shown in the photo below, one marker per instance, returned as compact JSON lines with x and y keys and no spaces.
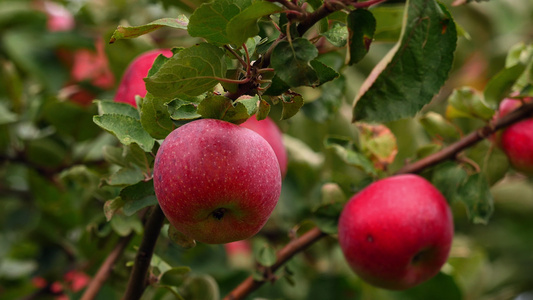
{"x":137,"y":282}
{"x":303,"y":242}
{"x":105,"y":269}
{"x":292,"y":248}
{"x":452,"y":150}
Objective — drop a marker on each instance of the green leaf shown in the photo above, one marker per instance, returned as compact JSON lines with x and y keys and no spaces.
{"x":388,"y":22}
{"x":123,"y":225}
{"x":244,"y":25}
{"x":223,"y":108}
{"x":174,"y":276}
{"x":448,"y":177}
{"x":180,"y":239}
{"x":155,"y":117}
{"x":138,"y":196}
{"x":413,"y":71}
{"x":337,"y":35}
{"x":262,"y":110}
{"x":129,"y":32}
{"x":501,"y":84}
{"x":112,"y":206}
{"x":291,"y":102}
{"x":326,"y":217}
{"x":327,"y":104}
{"x":190,"y":72}
{"x":437,"y":126}
{"x":361,"y":28}
{"x":324,"y":72}
{"x":468,"y":103}
{"x":202,"y":287}
{"x":126,"y":176}
{"x":182,"y":111}
{"x":108,"y":107}
{"x":445,"y":284}
{"x":127,"y":129}
{"x":346,"y":150}
{"x":475,"y":194}
{"x":6,"y":116}
{"x":291,"y":61}
{"x":210,"y":20}
{"x":266,"y":256}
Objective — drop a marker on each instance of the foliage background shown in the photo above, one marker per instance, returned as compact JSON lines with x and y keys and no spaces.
{"x":51,"y":201}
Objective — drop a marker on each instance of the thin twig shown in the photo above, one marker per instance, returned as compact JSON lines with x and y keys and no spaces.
{"x":452,"y":150}
{"x":292,"y":248}
{"x":105,"y":269}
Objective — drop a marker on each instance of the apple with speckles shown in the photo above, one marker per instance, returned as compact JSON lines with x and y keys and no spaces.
{"x":132,"y":82}
{"x":517,"y":139}
{"x":215,"y":181}
{"x":271,"y":133}
{"x":397,"y":232}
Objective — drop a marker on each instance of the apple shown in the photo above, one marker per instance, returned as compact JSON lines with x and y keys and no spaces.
{"x":397,"y":232}
{"x":132,"y":82}
{"x":215,"y":181}
{"x":271,"y":133}
{"x":517,"y":139}
{"x":93,"y":67}
{"x":58,"y":17}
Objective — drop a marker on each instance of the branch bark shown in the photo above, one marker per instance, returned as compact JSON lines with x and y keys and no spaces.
{"x":138,"y":278}
{"x":292,"y":248}
{"x":309,"y":238}
{"x":452,"y":150}
{"x":105,"y":269}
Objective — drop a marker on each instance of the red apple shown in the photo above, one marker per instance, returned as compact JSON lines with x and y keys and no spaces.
{"x":517,"y":139}
{"x":59,"y":18}
{"x":132,"y":82}
{"x":216,"y":182}
{"x":93,"y":66}
{"x":271,"y":133}
{"x":397,"y":232}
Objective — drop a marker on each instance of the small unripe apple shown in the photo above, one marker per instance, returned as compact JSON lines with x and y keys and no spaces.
{"x":517,"y":139}
{"x":216,"y":182}
{"x":271,"y":133}
{"x":397,"y":232}
{"x":132,"y":82}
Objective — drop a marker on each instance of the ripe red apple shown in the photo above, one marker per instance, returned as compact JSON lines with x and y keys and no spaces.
{"x":271,"y":133}
{"x":215,"y":181}
{"x":517,"y":139}
{"x":59,"y":18}
{"x":93,"y":66}
{"x":132,"y":82}
{"x":397,"y":232}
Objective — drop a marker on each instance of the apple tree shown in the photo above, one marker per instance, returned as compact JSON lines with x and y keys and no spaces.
{"x":266,"y":149}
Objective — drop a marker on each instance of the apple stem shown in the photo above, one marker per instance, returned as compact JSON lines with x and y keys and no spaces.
{"x":105,"y":269}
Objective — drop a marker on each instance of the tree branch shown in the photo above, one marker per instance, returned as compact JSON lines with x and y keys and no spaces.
{"x":303,"y":242}
{"x":452,"y":150}
{"x":137,"y":282}
{"x":105,"y":269}
{"x":292,"y":248}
